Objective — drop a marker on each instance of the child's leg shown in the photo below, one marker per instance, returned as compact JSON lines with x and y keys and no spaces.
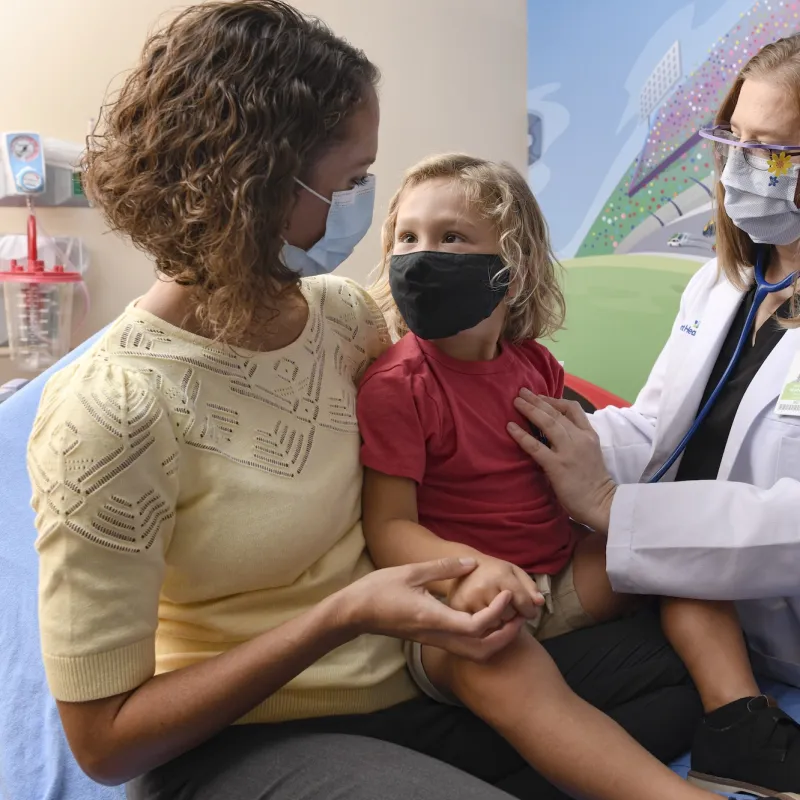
{"x":521,"y":693}
{"x":744,"y":742}
{"x":592,"y":585}
{"x":708,"y":637}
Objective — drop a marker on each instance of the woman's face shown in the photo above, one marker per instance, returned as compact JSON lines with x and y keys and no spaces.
{"x":766,"y":112}
{"x":342,"y":167}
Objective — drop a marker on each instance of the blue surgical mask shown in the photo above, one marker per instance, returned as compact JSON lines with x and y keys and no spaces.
{"x":349,"y":218}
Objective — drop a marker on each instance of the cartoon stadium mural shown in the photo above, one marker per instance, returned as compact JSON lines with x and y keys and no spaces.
{"x":615,"y":159}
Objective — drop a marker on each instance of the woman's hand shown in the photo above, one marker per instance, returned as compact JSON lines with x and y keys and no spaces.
{"x":395,"y":602}
{"x":573,"y":461}
{"x":492,"y":576}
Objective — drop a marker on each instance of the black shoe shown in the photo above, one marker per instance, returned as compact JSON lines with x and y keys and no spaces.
{"x":748,"y":746}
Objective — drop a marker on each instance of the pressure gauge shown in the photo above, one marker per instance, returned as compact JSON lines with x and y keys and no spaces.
{"x":22,"y":163}
{"x":25,"y":148}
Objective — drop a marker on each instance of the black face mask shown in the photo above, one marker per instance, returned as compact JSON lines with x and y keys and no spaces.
{"x":441,"y":294}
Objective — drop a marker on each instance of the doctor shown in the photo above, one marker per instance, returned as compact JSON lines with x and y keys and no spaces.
{"x":724,"y":523}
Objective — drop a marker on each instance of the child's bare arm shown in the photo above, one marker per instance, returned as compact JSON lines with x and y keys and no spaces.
{"x":392,"y":530}
{"x":395,"y":537}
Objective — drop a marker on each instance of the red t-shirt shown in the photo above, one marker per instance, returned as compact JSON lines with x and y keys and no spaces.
{"x":442,"y":423}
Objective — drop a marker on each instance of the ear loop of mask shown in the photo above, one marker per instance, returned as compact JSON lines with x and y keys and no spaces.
{"x":316,"y":194}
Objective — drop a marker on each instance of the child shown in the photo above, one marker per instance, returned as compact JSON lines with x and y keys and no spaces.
{"x":471,"y":284}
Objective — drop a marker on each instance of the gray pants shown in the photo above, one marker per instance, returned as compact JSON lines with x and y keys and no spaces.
{"x":319,"y":766}
{"x":423,"y":750}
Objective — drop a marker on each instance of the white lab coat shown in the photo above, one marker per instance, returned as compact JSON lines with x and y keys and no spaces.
{"x":736,"y":538}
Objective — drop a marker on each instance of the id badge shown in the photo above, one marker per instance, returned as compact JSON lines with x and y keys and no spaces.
{"x":789,"y":400}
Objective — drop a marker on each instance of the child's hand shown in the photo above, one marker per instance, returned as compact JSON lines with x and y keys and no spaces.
{"x":477,"y":590}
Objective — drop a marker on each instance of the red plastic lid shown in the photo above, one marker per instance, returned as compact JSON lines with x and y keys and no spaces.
{"x":38,"y":274}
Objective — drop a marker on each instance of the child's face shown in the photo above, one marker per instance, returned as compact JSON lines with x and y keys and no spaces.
{"x":435,"y":216}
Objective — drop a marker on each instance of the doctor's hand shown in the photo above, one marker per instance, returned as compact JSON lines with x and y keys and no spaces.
{"x":573,"y":461}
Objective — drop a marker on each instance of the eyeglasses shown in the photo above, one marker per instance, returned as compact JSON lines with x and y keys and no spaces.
{"x":775,"y":158}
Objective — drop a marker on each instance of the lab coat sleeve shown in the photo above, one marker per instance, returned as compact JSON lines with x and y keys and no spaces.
{"x":627,"y":434}
{"x":709,"y":540}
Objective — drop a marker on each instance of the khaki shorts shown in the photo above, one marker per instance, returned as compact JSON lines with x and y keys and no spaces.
{"x":561,"y":613}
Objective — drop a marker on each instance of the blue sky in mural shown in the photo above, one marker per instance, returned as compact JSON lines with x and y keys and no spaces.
{"x":587,"y":62}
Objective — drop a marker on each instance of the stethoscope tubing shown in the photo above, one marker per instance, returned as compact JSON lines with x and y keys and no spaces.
{"x":763,"y":289}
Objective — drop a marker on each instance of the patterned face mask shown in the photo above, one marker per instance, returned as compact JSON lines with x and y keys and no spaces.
{"x":760,"y":200}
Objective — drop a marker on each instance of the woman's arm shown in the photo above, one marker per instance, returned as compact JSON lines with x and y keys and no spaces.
{"x":117,"y":738}
{"x":626,"y":434}
{"x":120,"y":737}
{"x":745,"y":540}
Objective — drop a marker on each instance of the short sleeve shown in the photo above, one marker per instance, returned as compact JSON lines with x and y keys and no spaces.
{"x":549,"y":367}
{"x":103,"y":464}
{"x":393,"y":439}
{"x":370,"y":318}
{"x":556,"y":376}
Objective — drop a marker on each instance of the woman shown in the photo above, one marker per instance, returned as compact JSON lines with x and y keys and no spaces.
{"x":724,"y":526}
{"x":196,"y":474}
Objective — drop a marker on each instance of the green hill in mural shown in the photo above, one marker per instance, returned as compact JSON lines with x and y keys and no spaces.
{"x":620,"y":310}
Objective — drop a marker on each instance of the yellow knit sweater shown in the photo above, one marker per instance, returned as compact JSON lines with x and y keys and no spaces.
{"x":189,"y":497}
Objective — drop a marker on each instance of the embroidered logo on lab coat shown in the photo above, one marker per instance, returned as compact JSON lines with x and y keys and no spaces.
{"x":691,"y":329}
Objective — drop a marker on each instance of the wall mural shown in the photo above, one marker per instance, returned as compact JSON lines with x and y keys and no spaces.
{"x":617,"y":92}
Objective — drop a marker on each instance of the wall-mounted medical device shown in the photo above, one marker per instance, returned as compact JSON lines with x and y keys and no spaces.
{"x":43,"y":170}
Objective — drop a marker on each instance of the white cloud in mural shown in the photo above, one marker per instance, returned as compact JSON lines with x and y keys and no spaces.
{"x":556,"y":121}
{"x":622,"y":161}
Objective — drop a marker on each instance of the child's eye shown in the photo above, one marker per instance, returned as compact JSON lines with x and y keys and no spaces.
{"x":407,"y":238}
{"x":452,"y":238}
{"x":360,"y":181}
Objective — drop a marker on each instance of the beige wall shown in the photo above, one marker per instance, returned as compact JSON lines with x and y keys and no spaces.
{"x":454,"y":75}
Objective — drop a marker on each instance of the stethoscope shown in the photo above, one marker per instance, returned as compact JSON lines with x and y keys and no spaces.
{"x":762,"y":290}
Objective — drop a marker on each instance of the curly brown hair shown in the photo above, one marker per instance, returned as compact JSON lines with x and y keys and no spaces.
{"x":197,"y":155}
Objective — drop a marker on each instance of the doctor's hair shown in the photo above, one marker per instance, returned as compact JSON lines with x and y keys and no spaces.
{"x":501,"y":195}
{"x":736,"y":252}
{"x":196,"y":157}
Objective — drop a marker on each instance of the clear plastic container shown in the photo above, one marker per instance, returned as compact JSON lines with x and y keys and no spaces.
{"x":38,"y":306}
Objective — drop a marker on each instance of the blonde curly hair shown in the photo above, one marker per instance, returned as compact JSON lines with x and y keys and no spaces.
{"x":536,"y":303}
{"x":197,"y":157}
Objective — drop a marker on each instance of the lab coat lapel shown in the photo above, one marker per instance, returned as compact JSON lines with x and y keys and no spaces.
{"x":762,"y":393}
{"x":691,"y":363}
